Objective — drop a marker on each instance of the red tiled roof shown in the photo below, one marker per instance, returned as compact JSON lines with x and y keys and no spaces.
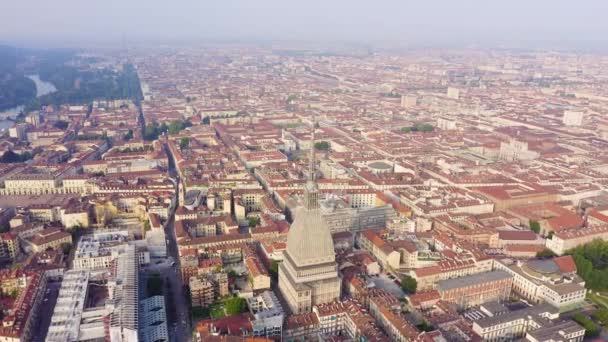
{"x":565,"y":263}
{"x":516,"y":235}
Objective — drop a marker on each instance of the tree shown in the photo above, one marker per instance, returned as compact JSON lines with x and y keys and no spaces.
{"x":535,"y":226}
{"x":254,"y":221}
{"x":175,"y":127}
{"x":408,"y":284}
{"x":235,"y":305}
{"x":546,"y":253}
{"x":128,"y":136}
{"x":147,"y":226}
{"x":591,"y":329}
{"x":60,"y":124}
{"x":66,"y":247}
{"x":12,"y":157}
{"x":591,"y":263}
{"x":274,"y":269}
{"x":601,"y":316}
{"x":322,"y":146}
{"x":184,"y":143}
{"x":406,"y":129}
{"x":425,"y":326}
{"x":292,"y":98}
{"x":14,"y":293}
{"x":425,"y":128}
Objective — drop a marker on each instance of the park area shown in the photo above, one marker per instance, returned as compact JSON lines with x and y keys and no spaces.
{"x":224,"y":307}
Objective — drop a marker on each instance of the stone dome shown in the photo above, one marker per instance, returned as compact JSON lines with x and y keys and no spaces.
{"x":309,"y":241}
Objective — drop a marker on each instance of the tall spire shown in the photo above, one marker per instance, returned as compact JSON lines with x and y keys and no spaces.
{"x":311,"y":166}
{"x":311,"y":194}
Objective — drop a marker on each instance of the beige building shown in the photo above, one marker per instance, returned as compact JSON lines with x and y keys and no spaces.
{"x":308,"y":275}
{"x":51,"y":238}
{"x":258,"y":276}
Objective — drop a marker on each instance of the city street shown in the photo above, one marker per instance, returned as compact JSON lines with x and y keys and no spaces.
{"x":46,"y":310}
{"x":180,"y":327}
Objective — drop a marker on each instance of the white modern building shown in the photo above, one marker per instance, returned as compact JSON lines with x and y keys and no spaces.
{"x":268,"y":313}
{"x":546,"y":280}
{"x":116,"y":320}
{"x":153,"y":319}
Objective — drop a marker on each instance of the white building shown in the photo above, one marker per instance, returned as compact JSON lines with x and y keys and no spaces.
{"x":268,"y":313}
{"x":72,"y":322}
{"x":153,"y":319}
{"x":552,"y":281}
{"x":516,"y":150}
{"x":453,"y":93}
{"x":573,"y":118}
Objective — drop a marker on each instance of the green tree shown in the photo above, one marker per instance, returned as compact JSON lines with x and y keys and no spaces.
{"x":591,"y":329}
{"x":408,"y":284}
{"x":601,"y":316}
{"x":152,"y":131}
{"x":147,"y":226}
{"x":184,"y":143}
{"x":12,"y":157}
{"x":128,"y":136}
{"x":274,"y":269}
{"x":175,"y":127}
{"x":426,"y":128}
{"x":66,"y":247}
{"x":546,"y":253}
{"x":60,"y":124}
{"x":14,"y":293}
{"x":425,"y":326}
{"x":322,"y":145}
{"x":292,"y":98}
{"x":535,"y":226}
{"x":254,"y":221}
{"x":235,"y":305}
{"x":592,"y":264}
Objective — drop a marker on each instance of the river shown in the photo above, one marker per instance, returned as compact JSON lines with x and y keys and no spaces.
{"x":42,"y":88}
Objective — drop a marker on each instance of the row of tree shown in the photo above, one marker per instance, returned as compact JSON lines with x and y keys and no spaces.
{"x":83,"y":86}
{"x":153,"y":130}
{"x":13,"y":157}
{"x":592,"y":264}
{"x":425,"y":128}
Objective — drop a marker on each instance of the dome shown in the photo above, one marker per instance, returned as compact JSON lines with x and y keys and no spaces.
{"x":545,"y":266}
{"x":309,"y":241}
{"x":379,"y":166}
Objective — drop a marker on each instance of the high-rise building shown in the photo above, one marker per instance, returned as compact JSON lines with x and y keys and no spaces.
{"x":308,"y":275}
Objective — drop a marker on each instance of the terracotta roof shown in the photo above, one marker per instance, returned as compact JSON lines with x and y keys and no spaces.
{"x":565,"y":263}
{"x":516,"y":235}
{"x":565,"y":222}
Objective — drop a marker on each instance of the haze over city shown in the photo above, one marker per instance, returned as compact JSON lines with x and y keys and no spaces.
{"x":436,"y":22}
{"x":324,"y":171}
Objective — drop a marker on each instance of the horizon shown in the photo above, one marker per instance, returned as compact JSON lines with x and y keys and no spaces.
{"x":517,"y":24}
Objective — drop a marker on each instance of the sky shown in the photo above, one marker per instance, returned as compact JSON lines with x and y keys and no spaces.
{"x":423,"y":22}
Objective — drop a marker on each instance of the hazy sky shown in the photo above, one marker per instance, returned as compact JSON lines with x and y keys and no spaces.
{"x":403,"y":21}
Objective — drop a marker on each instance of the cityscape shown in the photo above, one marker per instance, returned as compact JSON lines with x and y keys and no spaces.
{"x":291,"y":190}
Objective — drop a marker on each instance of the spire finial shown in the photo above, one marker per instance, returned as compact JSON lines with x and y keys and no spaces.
{"x":311,"y":166}
{"x":311,"y":195}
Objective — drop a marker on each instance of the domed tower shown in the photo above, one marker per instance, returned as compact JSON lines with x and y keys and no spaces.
{"x":308,"y":274}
